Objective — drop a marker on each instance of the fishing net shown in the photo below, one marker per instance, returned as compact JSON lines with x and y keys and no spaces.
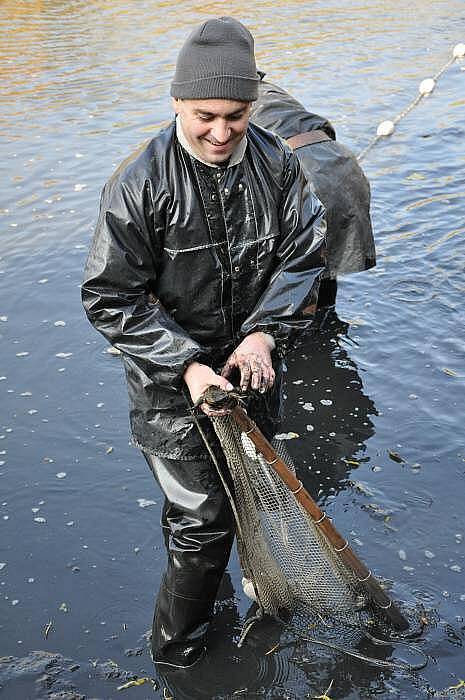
{"x":282,"y":551}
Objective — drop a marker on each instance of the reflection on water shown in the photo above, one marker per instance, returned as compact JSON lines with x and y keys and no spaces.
{"x":83,"y":85}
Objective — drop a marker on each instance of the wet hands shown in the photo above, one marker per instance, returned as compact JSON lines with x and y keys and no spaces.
{"x":252,"y":359}
{"x":198,"y":378}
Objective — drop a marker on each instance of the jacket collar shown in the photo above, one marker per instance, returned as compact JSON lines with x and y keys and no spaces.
{"x":236,"y":156}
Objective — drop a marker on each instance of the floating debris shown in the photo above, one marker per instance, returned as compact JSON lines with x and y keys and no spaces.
{"x":287,"y":436}
{"x":2,"y":565}
{"x":78,"y":187}
{"x":64,"y":608}
{"x":48,"y":628}
{"x":60,"y":475}
{"x":136,"y":682}
{"x":270,"y":651}
{"x":429,"y":554}
{"x":308,"y":406}
{"x":63,"y":355}
{"x":22,"y":354}
{"x":395,"y":456}
{"x":326,"y":402}
{"x":450,"y":372}
{"x":113,"y":351}
{"x":144,"y":503}
{"x":109,"y":450}
{"x":40,"y":520}
{"x":377,"y":510}
{"x":4,"y":318}
{"x":402,"y":554}
{"x":59,"y":323}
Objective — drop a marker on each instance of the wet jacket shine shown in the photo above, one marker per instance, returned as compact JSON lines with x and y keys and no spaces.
{"x":187,"y":259}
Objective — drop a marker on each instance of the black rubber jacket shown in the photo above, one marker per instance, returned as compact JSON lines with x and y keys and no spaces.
{"x":188,"y":259}
{"x":336,"y":177}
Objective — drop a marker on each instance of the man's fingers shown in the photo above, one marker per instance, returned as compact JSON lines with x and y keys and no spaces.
{"x":223,"y":383}
{"x":266,"y":382}
{"x":230,"y":364}
{"x":257,"y":374}
{"x":246,"y":372}
{"x":226,"y":371}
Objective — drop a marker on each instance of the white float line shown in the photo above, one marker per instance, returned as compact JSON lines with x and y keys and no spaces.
{"x":426,"y":87}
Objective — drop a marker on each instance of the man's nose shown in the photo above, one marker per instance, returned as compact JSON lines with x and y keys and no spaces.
{"x":221,"y":131}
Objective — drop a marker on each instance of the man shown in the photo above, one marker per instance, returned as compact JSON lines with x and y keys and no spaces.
{"x":204,"y":264}
{"x":337,"y":180}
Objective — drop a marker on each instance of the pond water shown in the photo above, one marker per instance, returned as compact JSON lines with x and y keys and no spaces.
{"x":81,"y":553}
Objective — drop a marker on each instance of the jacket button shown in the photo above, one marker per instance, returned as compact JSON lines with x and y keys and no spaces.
{"x":237,"y":268}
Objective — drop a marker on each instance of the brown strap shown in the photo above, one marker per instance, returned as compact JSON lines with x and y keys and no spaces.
{"x":307,"y":138}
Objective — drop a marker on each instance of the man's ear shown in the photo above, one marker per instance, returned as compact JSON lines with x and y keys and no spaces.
{"x":176,"y":103}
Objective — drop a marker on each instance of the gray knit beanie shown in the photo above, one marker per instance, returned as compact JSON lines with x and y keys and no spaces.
{"x":217,"y":61}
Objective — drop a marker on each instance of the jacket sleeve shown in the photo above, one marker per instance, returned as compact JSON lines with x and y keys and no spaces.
{"x":288,"y":304}
{"x":119,"y":276}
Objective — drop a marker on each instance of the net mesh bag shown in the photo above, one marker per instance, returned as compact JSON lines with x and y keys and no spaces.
{"x":282,"y":551}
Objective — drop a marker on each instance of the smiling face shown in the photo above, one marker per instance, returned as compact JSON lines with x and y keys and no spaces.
{"x":213,"y":128}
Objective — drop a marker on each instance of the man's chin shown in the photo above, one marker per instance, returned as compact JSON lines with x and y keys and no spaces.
{"x":219,"y":154}
{"x":217,"y":158}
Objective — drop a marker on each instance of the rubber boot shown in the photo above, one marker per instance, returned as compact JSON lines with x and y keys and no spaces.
{"x":179,"y":629}
{"x":198,"y":528}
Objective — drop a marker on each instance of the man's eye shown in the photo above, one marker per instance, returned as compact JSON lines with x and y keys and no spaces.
{"x":204,"y":118}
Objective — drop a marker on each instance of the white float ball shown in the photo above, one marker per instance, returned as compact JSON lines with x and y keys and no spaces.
{"x":459,"y":51}
{"x":385,"y":128}
{"x":426,"y":86}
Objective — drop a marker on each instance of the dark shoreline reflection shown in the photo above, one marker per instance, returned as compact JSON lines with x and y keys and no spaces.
{"x":327,"y":407}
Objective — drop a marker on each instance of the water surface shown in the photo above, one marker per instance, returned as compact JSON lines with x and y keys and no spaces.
{"x":85,"y":84}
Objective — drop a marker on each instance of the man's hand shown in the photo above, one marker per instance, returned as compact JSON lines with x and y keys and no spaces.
{"x":252,"y":358}
{"x":198,"y":378}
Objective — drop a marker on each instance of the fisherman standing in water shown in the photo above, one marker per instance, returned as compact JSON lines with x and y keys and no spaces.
{"x":205,"y":263}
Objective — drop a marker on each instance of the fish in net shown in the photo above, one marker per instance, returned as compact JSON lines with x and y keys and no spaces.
{"x":289,"y":561}
{"x":289,"y":549}
{"x":301,"y":571}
